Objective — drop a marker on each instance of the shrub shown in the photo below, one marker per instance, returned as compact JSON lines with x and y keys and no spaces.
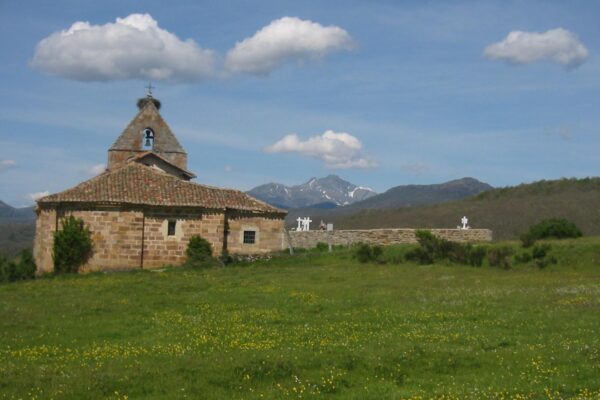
{"x":499,"y":256}
{"x":17,"y":270}
{"x":437,"y":248}
{"x":551,"y":228}
{"x":523,"y":258}
{"x":198,"y":252}
{"x":527,"y":240}
{"x":225,"y":258}
{"x":545,"y":261}
{"x":540,"y":251}
{"x":72,"y":246}
{"x":432,"y":248}
{"x":476,"y":255}
{"x":419,"y":255}
{"x":365,"y":253}
{"x":322,"y":247}
{"x":540,"y":254}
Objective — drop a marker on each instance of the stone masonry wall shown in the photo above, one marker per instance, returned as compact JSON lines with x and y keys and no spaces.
{"x":269,"y":234}
{"x":310,"y":239}
{"x":161,"y":249}
{"x":117,"y":238}
{"x":118,"y":234}
{"x":45,"y":226}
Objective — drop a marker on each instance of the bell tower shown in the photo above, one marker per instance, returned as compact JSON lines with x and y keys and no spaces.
{"x":147,"y":132}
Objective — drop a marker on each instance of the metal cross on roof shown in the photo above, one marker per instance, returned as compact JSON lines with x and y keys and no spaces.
{"x":150,"y":87}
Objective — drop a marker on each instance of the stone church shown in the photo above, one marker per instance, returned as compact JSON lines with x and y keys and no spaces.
{"x":144,"y":208}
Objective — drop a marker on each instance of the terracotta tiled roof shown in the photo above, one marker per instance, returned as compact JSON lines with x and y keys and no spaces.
{"x":135,"y":183}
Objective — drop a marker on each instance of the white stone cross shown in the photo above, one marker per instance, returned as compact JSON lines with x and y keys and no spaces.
{"x":306,"y":224}
{"x":464,"y":221}
{"x":300,"y":224}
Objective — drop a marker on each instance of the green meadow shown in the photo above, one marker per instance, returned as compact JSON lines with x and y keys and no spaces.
{"x":309,"y":326}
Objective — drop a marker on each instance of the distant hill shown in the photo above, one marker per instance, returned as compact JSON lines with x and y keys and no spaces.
{"x":405,"y":196}
{"x":507,"y":211}
{"x":420,"y":195}
{"x":12,"y":214}
{"x":16,"y":236}
{"x":17,"y":228}
{"x":327,"y":192}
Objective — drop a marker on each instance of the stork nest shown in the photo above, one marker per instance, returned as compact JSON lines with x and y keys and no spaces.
{"x":141,"y":103}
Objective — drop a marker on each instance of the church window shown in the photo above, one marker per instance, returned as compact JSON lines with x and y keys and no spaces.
{"x":249,"y":237}
{"x":148,"y":139}
{"x":171,"y":227}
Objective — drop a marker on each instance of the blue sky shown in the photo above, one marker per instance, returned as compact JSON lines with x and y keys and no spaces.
{"x":409,"y":83}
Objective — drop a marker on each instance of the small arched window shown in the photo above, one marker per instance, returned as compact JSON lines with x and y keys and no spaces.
{"x":147,"y":139}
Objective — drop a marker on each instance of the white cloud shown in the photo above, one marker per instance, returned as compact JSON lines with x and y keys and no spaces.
{"x":287,"y":38}
{"x":415,"y":168}
{"x":337,"y":150}
{"x":556,"y":45}
{"x":7,"y":164}
{"x":37,"y":195}
{"x":134,"y":47}
{"x":228,"y":168}
{"x":91,"y":170}
{"x":96,"y":169}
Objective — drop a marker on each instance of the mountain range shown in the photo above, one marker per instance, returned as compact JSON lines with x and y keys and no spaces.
{"x":329,"y":192}
{"x":339,"y":196}
{"x":421,"y":195}
{"x":17,"y":228}
{"x":508,"y":212}
{"x":12,"y":214}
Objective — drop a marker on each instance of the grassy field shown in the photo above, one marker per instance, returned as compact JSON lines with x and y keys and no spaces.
{"x":317,"y":325}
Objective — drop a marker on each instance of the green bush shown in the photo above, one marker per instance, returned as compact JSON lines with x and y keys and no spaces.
{"x":419,"y":255}
{"x":225,"y":258}
{"x":322,"y":247}
{"x":365,"y":253}
{"x":523,"y":258}
{"x":199,"y":252}
{"x":539,"y":254}
{"x":499,"y":256}
{"x":72,"y":246}
{"x":550,"y":228}
{"x":540,"y":251}
{"x":432,"y":248}
{"x":476,"y":255}
{"x":22,"y":268}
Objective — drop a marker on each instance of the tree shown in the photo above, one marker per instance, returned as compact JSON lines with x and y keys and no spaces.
{"x":72,"y":246}
{"x":199,"y":252}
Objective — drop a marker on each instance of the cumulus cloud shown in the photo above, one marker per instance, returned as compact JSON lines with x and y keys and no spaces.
{"x":287,"y":38}
{"x":6,"y":164}
{"x":556,"y":45}
{"x":96,"y":169}
{"x":134,"y":47}
{"x":337,"y":150}
{"x":37,"y":195}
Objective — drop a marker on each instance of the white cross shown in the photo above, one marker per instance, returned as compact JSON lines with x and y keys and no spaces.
{"x":306,"y":223}
{"x":464,"y":221}
{"x":299,"y":228}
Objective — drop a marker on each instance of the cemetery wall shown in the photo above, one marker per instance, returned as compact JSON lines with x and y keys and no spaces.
{"x":309,"y":239}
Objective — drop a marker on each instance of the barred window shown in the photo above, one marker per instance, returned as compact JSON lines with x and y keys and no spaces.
{"x":249,"y":237}
{"x":171,"y":228}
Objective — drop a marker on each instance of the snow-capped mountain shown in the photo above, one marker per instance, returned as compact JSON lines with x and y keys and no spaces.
{"x":325,"y":192}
